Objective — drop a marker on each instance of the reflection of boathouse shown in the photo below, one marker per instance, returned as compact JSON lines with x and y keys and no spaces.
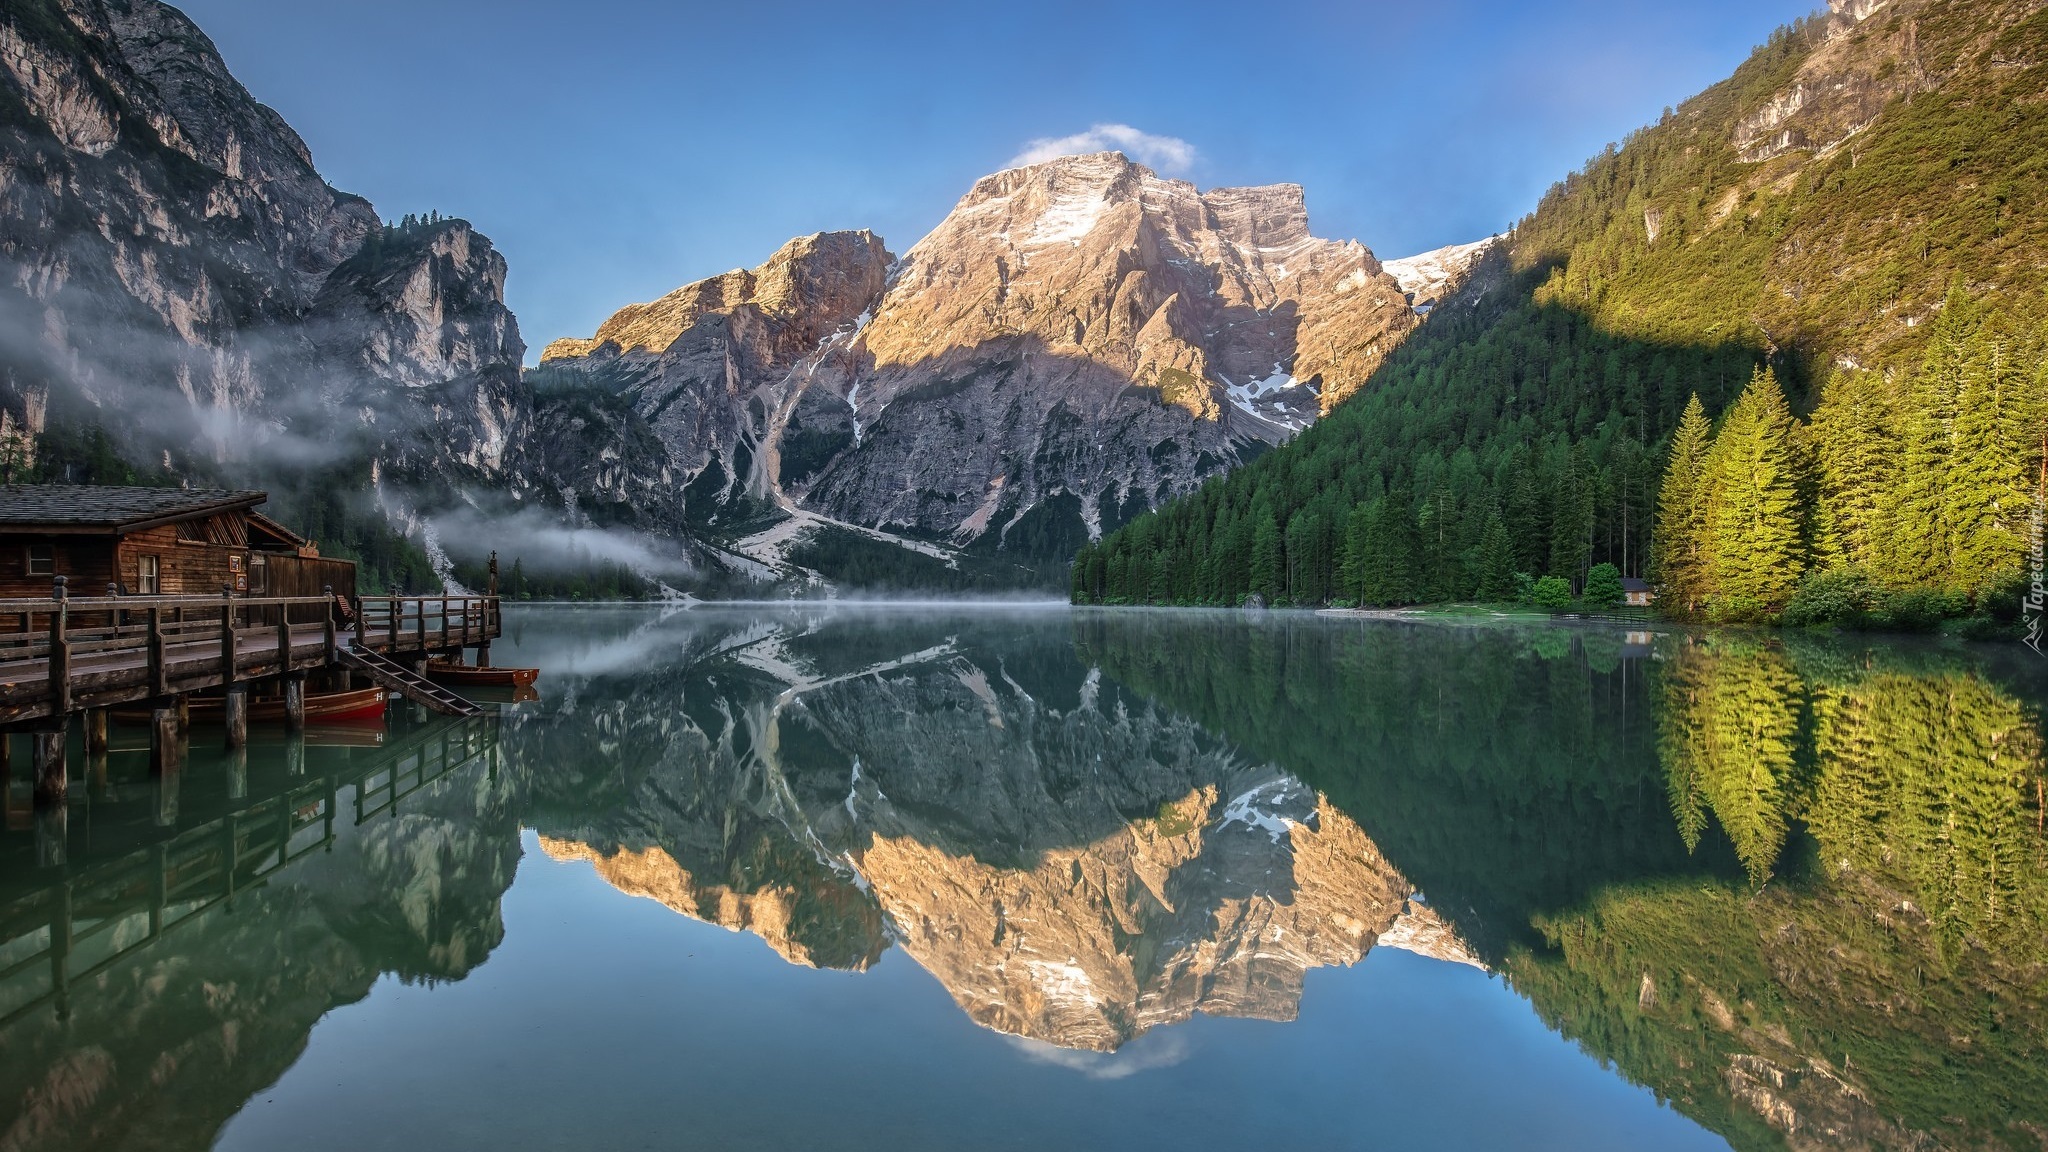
{"x":175,"y":965}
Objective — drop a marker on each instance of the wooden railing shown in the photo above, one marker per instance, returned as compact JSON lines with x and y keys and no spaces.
{"x":66,"y":651}
{"x":423,"y":622}
{"x":82,"y":645}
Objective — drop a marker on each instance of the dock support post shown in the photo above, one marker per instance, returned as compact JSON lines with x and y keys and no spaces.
{"x":295,"y":757}
{"x":159,"y":888}
{"x":53,"y":836}
{"x":50,"y":770}
{"x":238,"y":774}
{"x":96,"y":732}
{"x":235,"y":711}
{"x":96,"y":747}
{"x":295,"y":702}
{"x":184,"y":710}
{"x":483,"y":654}
{"x":166,"y":759}
{"x":60,"y":949}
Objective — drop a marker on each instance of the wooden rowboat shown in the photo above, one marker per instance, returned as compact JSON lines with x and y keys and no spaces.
{"x":355,"y":706}
{"x":450,"y":673}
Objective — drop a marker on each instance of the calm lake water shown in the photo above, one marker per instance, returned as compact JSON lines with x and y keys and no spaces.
{"x":1036,"y":879}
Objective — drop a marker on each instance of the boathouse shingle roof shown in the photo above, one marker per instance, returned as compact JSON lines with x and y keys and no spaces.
{"x":116,"y":509}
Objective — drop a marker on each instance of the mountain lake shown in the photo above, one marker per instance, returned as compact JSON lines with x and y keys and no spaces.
{"x":927,"y":877}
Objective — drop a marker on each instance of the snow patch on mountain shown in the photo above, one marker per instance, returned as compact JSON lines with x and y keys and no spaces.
{"x":1070,"y":218}
{"x":1431,"y":276}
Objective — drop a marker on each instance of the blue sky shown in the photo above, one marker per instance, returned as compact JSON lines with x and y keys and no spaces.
{"x":614,"y":149}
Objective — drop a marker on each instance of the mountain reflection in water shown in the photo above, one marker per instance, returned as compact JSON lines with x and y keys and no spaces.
{"x":1074,"y":864}
{"x":1798,"y":889}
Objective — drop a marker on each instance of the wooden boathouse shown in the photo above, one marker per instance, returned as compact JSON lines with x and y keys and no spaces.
{"x":156,"y":542}
{"x":145,"y":598}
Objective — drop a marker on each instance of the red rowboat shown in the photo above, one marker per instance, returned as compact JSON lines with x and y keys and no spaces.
{"x":451,"y":673}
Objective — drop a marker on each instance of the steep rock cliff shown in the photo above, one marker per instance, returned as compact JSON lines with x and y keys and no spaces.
{"x":174,"y":271}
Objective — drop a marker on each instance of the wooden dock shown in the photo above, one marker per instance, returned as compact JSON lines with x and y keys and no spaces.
{"x":66,"y":658}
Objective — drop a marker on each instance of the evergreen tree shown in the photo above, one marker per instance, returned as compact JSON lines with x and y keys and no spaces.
{"x":1496,"y":562}
{"x":1386,"y":573}
{"x":1571,"y":521}
{"x":1357,"y":542}
{"x":1682,"y":560}
{"x":1265,"y":559}
{"x":1919,"y":546}
{"x":1754,"y":519}
{"x":1528,"y":514}
{"x":1853,"y":456}
{"x":1988,"y":496}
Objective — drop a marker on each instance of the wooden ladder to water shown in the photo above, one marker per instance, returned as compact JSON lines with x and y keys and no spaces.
{"x":407,"y":683}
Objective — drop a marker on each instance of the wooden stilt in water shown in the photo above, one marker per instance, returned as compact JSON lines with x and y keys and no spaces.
{"x":166,"y":741}
{"x":238,"y":773}
{"x":184,"y":711}
{"x":51,"y":774}
{"x":295,"y":757}
{"x":235,"y":713}
{"x":166,"y":759}
{"x":60,"y":948}
{"x":96,"y":746}
{"x":295,"y":703}
{"x":53,"y":836}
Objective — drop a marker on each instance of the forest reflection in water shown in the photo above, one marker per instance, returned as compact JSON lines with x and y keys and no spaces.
{"x":1795,"y":888}
{"x":1798,"y":886}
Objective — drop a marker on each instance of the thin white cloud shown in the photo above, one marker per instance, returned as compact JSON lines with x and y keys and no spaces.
{"x":1168,"y":154}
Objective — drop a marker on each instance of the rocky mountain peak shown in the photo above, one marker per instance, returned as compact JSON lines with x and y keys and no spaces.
{"x":1845,"y":83}
{"x":1076,"y":340}
{"x":1065,"y":200}
{"x":1090,"y":292}
{"x":820,"y":278}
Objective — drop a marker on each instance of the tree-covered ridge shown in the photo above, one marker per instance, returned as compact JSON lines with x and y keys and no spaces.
{"x":1777,"y":883}
{"x":1525,"y":427}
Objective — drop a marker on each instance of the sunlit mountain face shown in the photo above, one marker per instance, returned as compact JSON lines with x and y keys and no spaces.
{"x":1777,"y":891}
